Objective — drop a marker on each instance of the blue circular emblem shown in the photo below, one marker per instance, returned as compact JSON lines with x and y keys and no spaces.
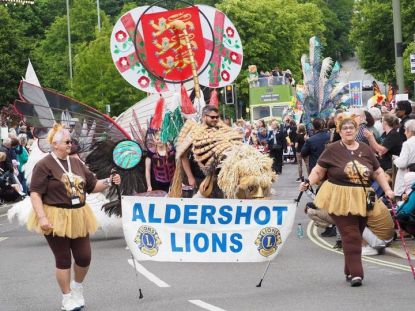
{"x":127,"y":154}
{"x":268,"y":241}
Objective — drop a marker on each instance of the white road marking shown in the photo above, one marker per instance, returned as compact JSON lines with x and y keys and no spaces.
{"x":2,"y":238}
{"x":314,"y":237}
{"x":205,"y":305}
{"x":150,"y":276}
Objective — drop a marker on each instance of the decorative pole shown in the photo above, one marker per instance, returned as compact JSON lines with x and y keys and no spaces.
{"x":180,"y":25}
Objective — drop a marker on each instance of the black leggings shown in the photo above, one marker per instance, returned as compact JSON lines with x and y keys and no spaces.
{"x":61,"y":248}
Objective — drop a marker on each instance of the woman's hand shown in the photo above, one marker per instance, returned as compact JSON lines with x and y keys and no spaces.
{"x":115,"y":179}
{"x":44,"y":223}
{"x":390,"y":194}
{"x":192,"y":182}
{"x":304,"y":186}
{"x":149,"y":188}
{"x":368,"y":134}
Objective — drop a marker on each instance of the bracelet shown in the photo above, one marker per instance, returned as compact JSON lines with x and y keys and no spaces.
{"x":107,"y":181}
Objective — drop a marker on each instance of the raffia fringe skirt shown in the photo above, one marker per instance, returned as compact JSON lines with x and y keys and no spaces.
{"x":344,"y":200}
{"x":71,"y":223}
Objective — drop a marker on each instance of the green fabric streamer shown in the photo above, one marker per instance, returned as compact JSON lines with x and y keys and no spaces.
{"x":172,"y":124}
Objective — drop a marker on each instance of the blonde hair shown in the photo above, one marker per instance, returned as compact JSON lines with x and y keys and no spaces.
{"x":3,"y":156}
{"x":57,"y":128}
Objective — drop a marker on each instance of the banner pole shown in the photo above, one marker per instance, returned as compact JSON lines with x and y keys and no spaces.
{"x":140,"y":293}
{"x":263,"y":275}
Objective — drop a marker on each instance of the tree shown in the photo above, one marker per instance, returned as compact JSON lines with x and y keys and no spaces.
{"x":12,"y":57}
{"x":372,"y":34}
{"x":97,"y":81}
{"x":273,"y":32}
{"x":337,"y":16}
{"x":51,"y":56}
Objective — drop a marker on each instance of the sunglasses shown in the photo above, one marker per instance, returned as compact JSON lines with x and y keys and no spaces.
{"x":213,"y":117}
{"x":68,"y":142}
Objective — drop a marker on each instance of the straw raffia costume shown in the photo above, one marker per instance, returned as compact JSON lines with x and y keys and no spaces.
{"x":224,"y":160}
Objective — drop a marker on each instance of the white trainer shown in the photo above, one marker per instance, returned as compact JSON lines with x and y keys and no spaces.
{"x":69,"y":304}
{"x":78,"y":295}
{"x":369,"y":251}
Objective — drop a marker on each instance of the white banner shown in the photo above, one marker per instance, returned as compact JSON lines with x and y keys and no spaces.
{"x":205,"y":230}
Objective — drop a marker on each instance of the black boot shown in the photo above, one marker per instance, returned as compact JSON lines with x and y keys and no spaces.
{"x":338,"y":245}
{"x":329,"y":232}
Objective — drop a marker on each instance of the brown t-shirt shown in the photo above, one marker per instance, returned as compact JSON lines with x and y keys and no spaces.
{"x":340,"y":169}
{"x":51,"y":182}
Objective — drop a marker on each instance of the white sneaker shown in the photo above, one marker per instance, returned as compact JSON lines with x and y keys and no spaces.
{"x":369,"y":251}
{"x":69,"y":304}
{"x":77,"y":295}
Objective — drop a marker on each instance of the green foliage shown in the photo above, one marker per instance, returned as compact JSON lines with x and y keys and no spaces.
{"x":273,"y":32}
{"x":337,"y":15}
{"x":96,"y":79}
{"x":50,"y":58}
{"x":372,"y":34}
{"x":12,"y":57}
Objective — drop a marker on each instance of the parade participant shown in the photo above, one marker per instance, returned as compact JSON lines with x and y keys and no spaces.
{"x":231,"y":168}
{"x":344,"y":163}
{"x":406,"y":157}
{"x":58,"y":190}
{"x":391,"y":141}
{"x":403,"y":111}
{"x":160,"y":164}
{"x":210,"y":118}
{"x":277,"y":143}
{"x":315,"y":145}
{"x":301,"y":138}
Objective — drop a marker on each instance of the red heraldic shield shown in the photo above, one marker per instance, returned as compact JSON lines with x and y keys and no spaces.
{"x":166,"y":48}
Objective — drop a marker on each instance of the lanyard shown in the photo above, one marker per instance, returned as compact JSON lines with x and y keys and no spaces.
{"x":67,"y":172}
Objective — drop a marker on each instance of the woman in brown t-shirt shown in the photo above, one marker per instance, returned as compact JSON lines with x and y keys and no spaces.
{"x":58,"y":188}
{"x":343,"y":196}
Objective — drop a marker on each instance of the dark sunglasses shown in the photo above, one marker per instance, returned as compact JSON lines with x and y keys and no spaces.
{"x":67,"y":142}
{"x":213,"y":117}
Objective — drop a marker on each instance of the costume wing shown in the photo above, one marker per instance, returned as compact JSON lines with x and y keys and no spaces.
{"x":42,"y":107}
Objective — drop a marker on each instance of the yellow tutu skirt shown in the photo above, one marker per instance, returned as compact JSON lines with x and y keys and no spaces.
{"x":344,"y":200}
{"x":71,"y":223}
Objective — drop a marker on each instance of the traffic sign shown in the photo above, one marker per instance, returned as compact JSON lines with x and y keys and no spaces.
{"x":412,"y":60}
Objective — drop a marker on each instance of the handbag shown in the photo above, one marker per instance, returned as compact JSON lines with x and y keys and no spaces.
{"x":370,"y":194}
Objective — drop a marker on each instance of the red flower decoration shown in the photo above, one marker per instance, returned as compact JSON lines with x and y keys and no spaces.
{"x":234,"y":57}
{"x":230,"y":32}
{"x":120,"y":36}
{"x":225,"y":75}
{"x":123,"y":63}
{"x":143,"y":81}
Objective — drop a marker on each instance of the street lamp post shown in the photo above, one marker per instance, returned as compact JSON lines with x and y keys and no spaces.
{"x":69,"y":40}
{"x":397,"y":34}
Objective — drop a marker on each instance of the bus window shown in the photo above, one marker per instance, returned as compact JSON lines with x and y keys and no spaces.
{"x":259,"y":112}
